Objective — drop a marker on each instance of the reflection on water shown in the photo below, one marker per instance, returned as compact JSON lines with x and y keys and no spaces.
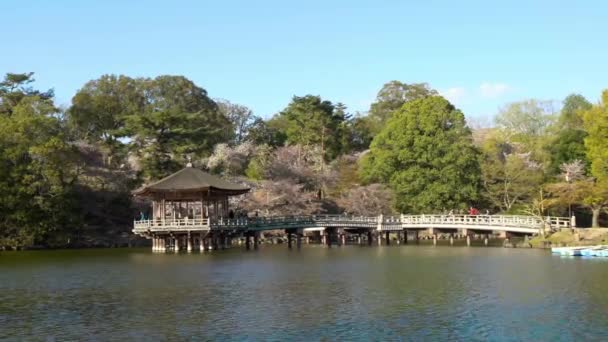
{"x":346,"y":293}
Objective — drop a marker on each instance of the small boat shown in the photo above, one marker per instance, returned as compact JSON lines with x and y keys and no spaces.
{"x":588,"y":251}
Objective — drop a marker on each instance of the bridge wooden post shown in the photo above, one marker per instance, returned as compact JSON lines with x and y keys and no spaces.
{"x":256,"y":240}
{"x":399,"y":237}
{"x":299,"y":240}
{"x":405,"y":236}
{"x":485,"y":240}
{"x":379,"y":229}
{"x":417,"y":236}
{"x":434,"y":239}
{"x":343,"y":238}
{"x":289,"y":233}
{"x":388,"y":238}
{"x":369,"y":237}
{"x":247,"y":241}
{"x":451,"y":239}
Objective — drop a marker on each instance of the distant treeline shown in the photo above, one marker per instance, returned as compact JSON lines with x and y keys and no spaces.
{"x":67,"y":173}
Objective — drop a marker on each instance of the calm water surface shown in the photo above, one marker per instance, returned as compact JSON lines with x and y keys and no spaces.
{"x":347,"y":293}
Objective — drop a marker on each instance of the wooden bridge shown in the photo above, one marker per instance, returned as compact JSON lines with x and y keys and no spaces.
{"x":207,"y":233}
{"x":509,"y":223}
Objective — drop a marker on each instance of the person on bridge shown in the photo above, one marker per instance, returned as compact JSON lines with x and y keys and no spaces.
{"x":473,"y":211}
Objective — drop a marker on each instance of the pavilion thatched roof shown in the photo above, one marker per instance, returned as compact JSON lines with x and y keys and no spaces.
{"x":190,"y":180}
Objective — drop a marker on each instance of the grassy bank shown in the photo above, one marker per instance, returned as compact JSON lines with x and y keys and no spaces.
{"x":572,"y":237}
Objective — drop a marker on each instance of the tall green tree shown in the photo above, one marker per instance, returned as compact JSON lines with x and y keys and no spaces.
{"x":178,"y":120}
{"x":39,"y":170}
{"x":568,"y":142}
{"x":16,"y":87}
{"x":312,"y":121}
{"x":392,"y":97}
{"x":595,"y":121}
{"x":100,"y":108}
{"x":426,"y":156}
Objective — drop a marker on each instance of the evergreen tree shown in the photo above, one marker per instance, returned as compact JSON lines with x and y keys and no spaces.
{"x":425,"y":155}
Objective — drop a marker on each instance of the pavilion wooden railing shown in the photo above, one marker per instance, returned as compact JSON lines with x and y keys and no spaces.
{"x":169,"y":224}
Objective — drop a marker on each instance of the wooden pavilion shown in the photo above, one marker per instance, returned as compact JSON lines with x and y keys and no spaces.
{"x":187,"y":201}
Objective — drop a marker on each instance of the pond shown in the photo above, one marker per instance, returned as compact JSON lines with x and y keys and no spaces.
{"x":315,"y":293}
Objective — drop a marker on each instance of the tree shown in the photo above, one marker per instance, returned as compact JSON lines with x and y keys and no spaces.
{"x":595,"y":191}
{"x":392,"y":97}
{"x":40,"y":169}
{"x":101,"y":107}
{"x":526,"y":124}
{"x":16,"y":87}
{"x":569,"y":142}
{"x":241,"y":117}
{"x":595,"y":121}
{"x":368,"y":200}
{"x":231,"y":161}
{"x":510,"y":179}
{"x":267,"y":133}
{"x":571,"y":114}
{"x":567,"y":192}
{"x":311,"y":121}
{"x":426,"y":156}
{"x":178,"y":119}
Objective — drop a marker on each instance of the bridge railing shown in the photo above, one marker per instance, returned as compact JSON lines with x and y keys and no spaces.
{"x":464,"y":220}
{"x":390,"y":222}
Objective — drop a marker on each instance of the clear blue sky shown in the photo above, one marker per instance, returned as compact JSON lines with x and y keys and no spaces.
{"x":481,"y":54}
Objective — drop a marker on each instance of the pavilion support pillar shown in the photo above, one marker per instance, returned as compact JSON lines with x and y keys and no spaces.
{"x":176,"y":244}
{"x":507,"y":237}
{"x":343,"y":238}
{"x":468,"y":237}
{"x":299,"y":240}
{"x":405,"y":236}
{"x":323,"y":238}
{"x":369,"y":237}
{"x":485,"y":240}
{"x":154,"y":244}
{"x":451,"y":239}
{"x":388,"y":238}
{"x":379,"y":238}
{"x":163,"y":244}
{"x":289,"y":234}
{"x":434,"y":239}
{"x":417,"y":236}
{"x":189,"y":243}
{"x":201,"y":242}
{"x":399,"y":237}
{"x":247,"y":241}
{"x":256,"y":240}
{"x":328,"y":237}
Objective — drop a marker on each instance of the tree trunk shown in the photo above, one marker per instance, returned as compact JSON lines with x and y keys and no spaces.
{"x":596,"y":218}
